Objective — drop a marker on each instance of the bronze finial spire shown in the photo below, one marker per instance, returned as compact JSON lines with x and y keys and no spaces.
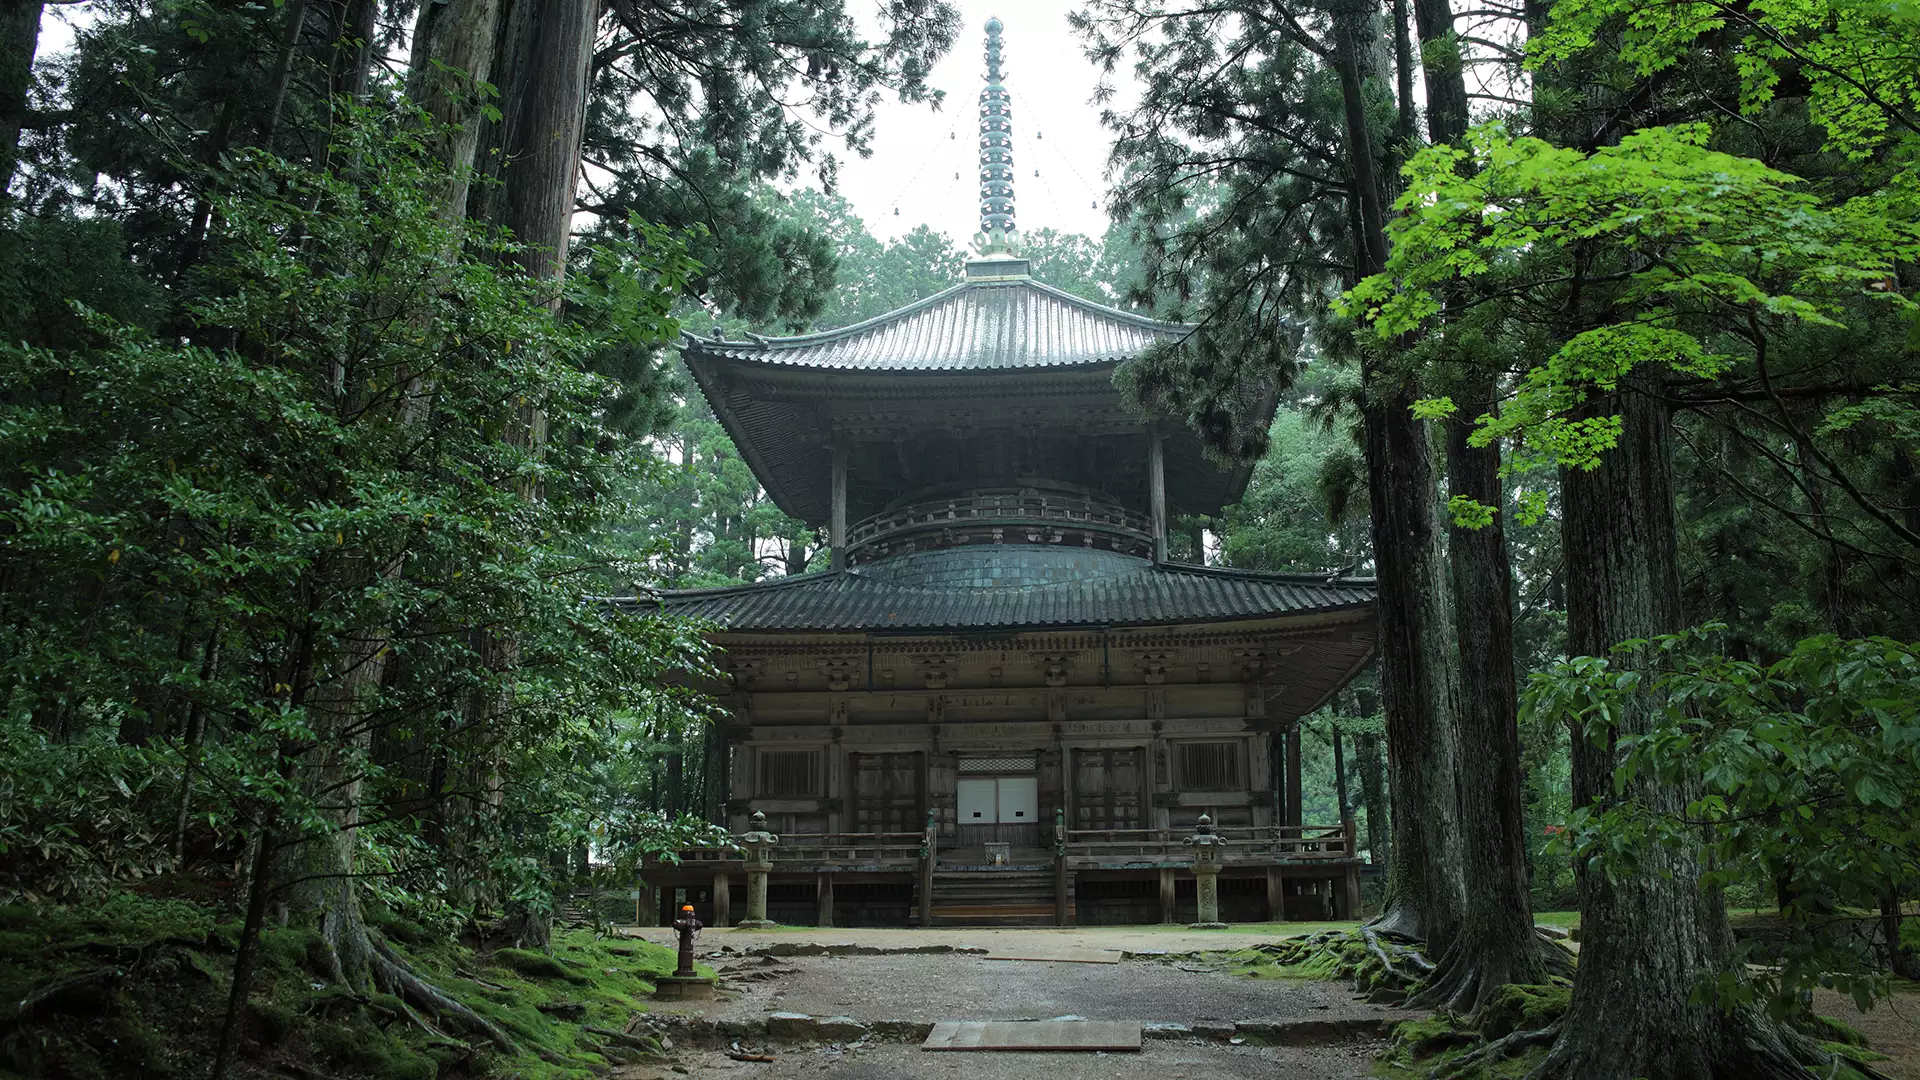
{"x":996,"y":155}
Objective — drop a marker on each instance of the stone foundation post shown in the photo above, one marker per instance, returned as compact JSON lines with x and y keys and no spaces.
{"x":758,"y":844}
{"x":1206,"y":846}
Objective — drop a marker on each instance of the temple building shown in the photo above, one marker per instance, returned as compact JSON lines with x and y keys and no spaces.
{"x":1002,"y":703}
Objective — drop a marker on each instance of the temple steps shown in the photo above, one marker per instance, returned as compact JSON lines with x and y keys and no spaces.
{"x":993,"y":897}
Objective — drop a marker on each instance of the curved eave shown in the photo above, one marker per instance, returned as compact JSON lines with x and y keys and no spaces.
{"x":1167,"y":595}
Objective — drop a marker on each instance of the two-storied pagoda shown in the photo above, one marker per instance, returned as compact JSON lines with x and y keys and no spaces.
{"x":1002,"y":703}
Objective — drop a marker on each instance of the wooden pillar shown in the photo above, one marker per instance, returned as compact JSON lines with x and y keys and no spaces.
{"x":1062,"y":892}
{"x":1157,"y":493}
{"x":1276,"y":895}
{"x":722,"y":902}
{"x":929,"y":854}
{"x":839,"y":523}
{"x":1346,"y":902}
{"x":1294,"y":799}
{"x":1169,"y":897}
{"x":823,"y":892}
{"x":650,"y":906}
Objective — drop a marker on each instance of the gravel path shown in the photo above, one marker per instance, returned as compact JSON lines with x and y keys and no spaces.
{"x":966,"y":987}
{"x":1158,"y":1061}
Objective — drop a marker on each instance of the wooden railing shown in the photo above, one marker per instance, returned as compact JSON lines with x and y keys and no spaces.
{"x":1265,"y":844}
{"x":1272,"y":843}
{"x":1010,"y":508}
{"x":822,"y":848}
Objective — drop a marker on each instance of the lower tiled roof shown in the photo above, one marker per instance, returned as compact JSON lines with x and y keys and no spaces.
{"x":1162,"y":594}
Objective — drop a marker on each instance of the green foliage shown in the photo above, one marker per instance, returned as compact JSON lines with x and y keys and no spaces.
{"x":1809,"y":765}
{"x":163,"y":1020}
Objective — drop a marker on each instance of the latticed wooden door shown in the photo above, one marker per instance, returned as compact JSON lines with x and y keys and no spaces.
{"x":886,"y":793}
{"x":1107,"y":787}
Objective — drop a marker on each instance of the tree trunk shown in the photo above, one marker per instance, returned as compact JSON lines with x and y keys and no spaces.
{"x":19,"y":39}
{"x":1495,"y":942}
{"x":1415,"y":647}
{"x":453,"y":46}
{"x":1373,"y":794}
{"x":1901,"y":959}
{"x":545,"y":48}
{"x":1340,"y":777}
{"x":1652,"y":933}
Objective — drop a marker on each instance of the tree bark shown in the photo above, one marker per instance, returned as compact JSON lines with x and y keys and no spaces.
{"x":453,"y":45}
{"x":1423,"y":898}
{"x":19,"y":40}
{"x":1495,"y":943}
{"x":545,"y":46}
{"x":1650,"y":933}
{"x":1373,"y":794}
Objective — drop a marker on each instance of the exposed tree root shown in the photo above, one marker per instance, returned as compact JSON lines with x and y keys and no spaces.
{"x":1490,"y":1053}
{"x":1382,"y":965}
{"x":1467,"y":978}
{"x":1758,"y":1050}
{"x":397,"y":977}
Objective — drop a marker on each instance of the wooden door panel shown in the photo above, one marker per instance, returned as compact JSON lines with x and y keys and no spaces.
{"x":886,"y":793}
{"x":1107,"y":788}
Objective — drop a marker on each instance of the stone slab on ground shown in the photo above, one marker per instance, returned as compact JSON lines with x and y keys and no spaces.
{"x":1085,"y":1035}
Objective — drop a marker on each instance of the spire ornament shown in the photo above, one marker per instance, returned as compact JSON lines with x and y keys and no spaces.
{"x":997,"y":232}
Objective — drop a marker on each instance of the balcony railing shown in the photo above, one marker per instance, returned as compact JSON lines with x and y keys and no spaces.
{"x":1023,"y":516}
{"x":1262,"y":846}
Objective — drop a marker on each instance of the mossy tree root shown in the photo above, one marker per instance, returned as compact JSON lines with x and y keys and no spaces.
{"x":1380,"y":964}
{"x":1750,"y":1049}
{"x":397,"y":977}
{"x":1467,"y":978}
{"x":1488,"y":1054}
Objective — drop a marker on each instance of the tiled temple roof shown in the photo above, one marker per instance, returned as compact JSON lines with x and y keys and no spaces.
{"x":1160,"y":594}
{"x":978,"y":325}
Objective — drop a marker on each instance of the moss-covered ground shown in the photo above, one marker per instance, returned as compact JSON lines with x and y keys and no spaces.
{"x":139,"y":987}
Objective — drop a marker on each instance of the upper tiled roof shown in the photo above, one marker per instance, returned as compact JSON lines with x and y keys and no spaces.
{"x":1152,"y":595}
{"x":973,"y":326}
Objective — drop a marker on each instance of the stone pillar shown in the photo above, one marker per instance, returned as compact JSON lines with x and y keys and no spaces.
{"x":1206,"y":846}
{"x":758,"y":843}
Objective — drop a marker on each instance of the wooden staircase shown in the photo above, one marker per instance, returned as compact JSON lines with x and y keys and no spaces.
{"x":993,"y":896}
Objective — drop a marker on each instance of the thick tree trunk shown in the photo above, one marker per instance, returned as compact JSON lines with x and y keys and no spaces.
{"x":545,"y":48}
{"x":1495,"y":943}
{"x":543,"y":144}
{"x":1415,"y":623}
{"x":19,"y":39}
{"x":1652,"y":933}
{"x":453,"y":46}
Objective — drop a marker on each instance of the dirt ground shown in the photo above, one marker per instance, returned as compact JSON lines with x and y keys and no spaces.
{"x":1070,"y":972}
{"x":1157,"y":1061}
{"x":1892,"y":1028}
{"x":964,"y":987}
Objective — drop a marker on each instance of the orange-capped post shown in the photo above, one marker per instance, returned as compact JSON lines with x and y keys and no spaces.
{"x":688,"y":926}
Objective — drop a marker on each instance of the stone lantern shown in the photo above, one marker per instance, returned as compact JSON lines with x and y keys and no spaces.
{"x":1206,"y":845}
{"x":758,"y":843}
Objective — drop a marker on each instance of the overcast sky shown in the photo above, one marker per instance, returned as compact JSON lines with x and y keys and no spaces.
{"x":1056,"y":130}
